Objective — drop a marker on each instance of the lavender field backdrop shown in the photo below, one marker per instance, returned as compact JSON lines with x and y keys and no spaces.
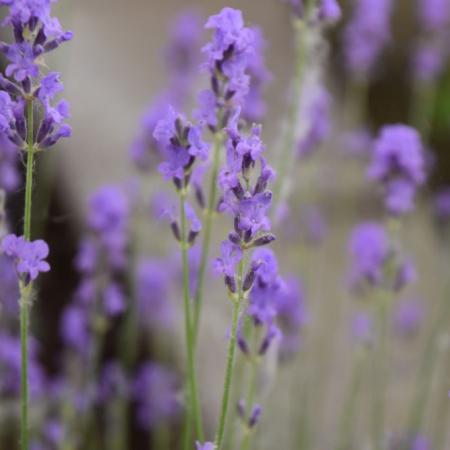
{"x":225,"y":226}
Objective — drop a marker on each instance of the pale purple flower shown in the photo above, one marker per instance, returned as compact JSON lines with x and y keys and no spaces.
{"x":75,"y":328}
{"x":329,"y":11}
{"x":398,"y":163}
{"x":409,"y":315}
{"x":429,"y":60}
{"x":366,"y":34}
{"x":29,"y":257}
{"x":442,"y":204}
{"x":205,"y":446}
{"x":113,"y":300}
{"x":231,"y":254}
{"x":155,"y":390}
{"x":434,"y":15}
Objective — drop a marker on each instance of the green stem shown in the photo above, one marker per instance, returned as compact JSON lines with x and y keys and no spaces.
{"x":212,"y":199}
{"x":26,"y":290}
{"x":194,"y":407}
{"x":230,"y":358}
{"x":380,"y":373}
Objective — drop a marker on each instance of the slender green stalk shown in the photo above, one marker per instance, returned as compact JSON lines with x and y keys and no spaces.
{"x":26,"y":290}
{"x":230,"y":358}
{"x":380,"y":372}
{"x":193,"y":409}
{"x":212,"y":199}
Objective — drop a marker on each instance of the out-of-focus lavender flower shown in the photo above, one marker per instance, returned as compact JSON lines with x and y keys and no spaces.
{"x":370,"y":252}
{"x":398,"y":163}
{"x":292,"y":316}
{"x":433,"y":15}
{"x":152,"y":293}
{"x":329,"y":11}
{"x":429,"y":59}
{"x":75,"y":328}
{"x":408,"y":316}
{"x":10,"y":367}
{"x":228,"y":57}
{"x":420,"y":442}
{"x":366,"y":34}
{"x":9,"y":292}
{"x":254,"y":107}
{"x":113,"y":300}
{"x":317,"y":110}
{"x":362,"y":328}
{"x":155,"y":391}
{"x":113,"y":383}
{"x":28,"y":257}
{"x":205,"y":446}
{"x":442,"y":205}
{"x":9,"y":174}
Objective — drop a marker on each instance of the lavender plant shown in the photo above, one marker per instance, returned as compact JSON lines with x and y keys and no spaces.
{"x":35,"y":33}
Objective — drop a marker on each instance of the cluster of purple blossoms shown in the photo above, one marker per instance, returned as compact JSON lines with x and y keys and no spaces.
{"x":367,"y":34}
{"x":28,"y":257}
{"x":156,"y":391}
{"x":229,"y":55}
{"x":431,"y":51}
{"x":374,"y":262}
{"x":101,"y":261}
{"x":181,"y":60}
{"x":35,"y":33}
{"x":409,"y":315}
{"x":398,"y":163}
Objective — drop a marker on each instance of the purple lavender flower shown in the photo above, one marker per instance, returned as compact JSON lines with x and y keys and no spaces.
{"x":231,"y":254}
{"x":181,"y":144}
{"x":366,"y":34}
{"x":9,"y":173}
{"x":75,"y":328}
{"x":113,"y":382}
{"x":398,"y":163}
{"x":442,"y":205}
{"x":28,"y":257}
{"x":205,"y":446}
{"x":371,"y":251}
{"x":329,"y":11}
{"x":434,"y":15}
{"x":420,"y":442}
{"x":9,"y":292}
{"x":408,"y":316}
{"x":155,"y":390}
{"x":152,"y":293}
{"x":35,"y":33}
{"x":429,"y":59}
{"x":228,"y":57}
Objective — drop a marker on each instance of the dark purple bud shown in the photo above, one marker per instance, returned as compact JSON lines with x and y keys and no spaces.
{"x":248,"y":236}
{"x":249,"y":280}
{"x":199,"y":196}
{"x":236,"y":222}
{"x":271,"y":334}
{"x":4,"y":47}
{"x":63,"y":132}
{"x":255,"y":416}
{"x":263,"y":240}
{"x":215,"y":85}
{"x":32,"y":23}
{"x":177,"y":183}
{"x":234,"y":238}
{"x":230,"y":283}
{"x":187,"y":179}
{"x":179,"y":126}
{"x":9,"y":86}
{"x":26,"y":85}
{"x":229,"y":95}
{"x":226,"y":118}
{"x":218,"y":204}
{"x":175,"y":230}
{"x":40,"y":38}
{"x":18,"y":31}
{"x":242,"y":343}
{"x":45,"y":128}
{"x":21,"y":127}
{"x":192,"y":236}
{"x":238,"y":191}
{"x":15,"y":139}
{"x":240,"y":408}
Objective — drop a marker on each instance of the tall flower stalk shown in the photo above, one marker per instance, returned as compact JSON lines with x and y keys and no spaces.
{"x":35,"y":34}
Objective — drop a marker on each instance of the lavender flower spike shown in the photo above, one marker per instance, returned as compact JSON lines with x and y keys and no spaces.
{"x":205,"y":446}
